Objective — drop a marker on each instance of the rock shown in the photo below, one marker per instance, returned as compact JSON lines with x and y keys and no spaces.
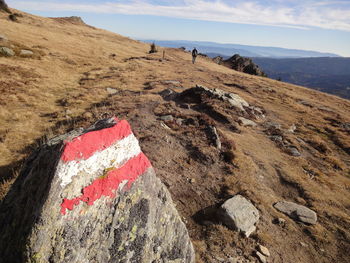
{"x":346,"y":126}
{"x":179,"y":121}
{"x":297,"y":212}
{"x":3,"y":38}
{"x":291,"y":150}
{"x":168,"y":94}
{"x":292,"y":128}
{"x":172,"y":82}
{"x":261,"y":257}
{"x":264,"y":250}
{"x":243,"y":64}
{"x":92,"y":196}
{"x":245,"y":122}
{"x":214,"y":136}
{"x":26,"y":53}
{"x":238,"y":213}
{"x":169,"y":118}
{"x":7,"y":52}
{"x":303,"y":244}
{"x":218,"y":60}
{"x":111,"y":91}
{"x":195,"y":93}
{"x":4,"y":7}
{"x":280,"y":221}
{"x":88,"y":115}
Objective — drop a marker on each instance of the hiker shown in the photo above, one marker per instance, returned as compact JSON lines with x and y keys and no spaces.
{"x":194,"y":55}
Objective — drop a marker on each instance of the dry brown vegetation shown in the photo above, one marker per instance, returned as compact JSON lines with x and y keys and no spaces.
{"x":66,"y":87}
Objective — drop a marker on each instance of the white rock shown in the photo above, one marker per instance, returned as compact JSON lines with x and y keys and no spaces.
{"x":238,"y":213}
{"x":297,"y":212}
{"x":26,"y":53}
{"x":264,"y":251}
{"x":245,"y":122}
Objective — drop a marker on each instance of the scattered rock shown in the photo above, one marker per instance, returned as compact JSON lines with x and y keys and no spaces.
{"x":280,"y":221}
{"x":185,"y":106}
{"x":172,"y":82}
{"x":303,"y":244}
{"x":346,"y":126}
{"x":292,"y":128}
{"x":218,"y":60}
{"x":305,"y":103}
{"x":165,"y":126}
{"x":291,"y":150}
{"x":238,"y":213}
{"x":111,"y":91}
{"x":179,"y":121}
{"x":245,"y":122}
{"x":26,"y":53}
{"x":169,"y":118}
{"x":261,"y":257}
{"x":3,"y":38}
{"x":168,"y":94}
{"x":13,"y":17}
{"x":92,"y":198}
{"x":7,"y":52}
{"x":264,"y":250}
{"x":214,"y":136}
{"x":88,"y":115}
{"x":297,"y":212}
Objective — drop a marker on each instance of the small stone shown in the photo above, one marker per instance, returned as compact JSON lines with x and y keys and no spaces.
{"x":3,"y":38}
{"x":7,"y":52}
{"x":264,"y":250}
{"x":240,"y":214}
{"x":297,"y":212}
{"x":168,"y":94}
{"x":26,"y":53}
{"x":261,"y":257}
{"x":192,"y":180}
{"x":112,"y":91}
{"x":179,"y":121}
{"x":245,"y":122}
{"x":165,"y":126}
{"x":293,"y":151}
{"x":88,"y":115}
{"x":167,"y":118}
{"x":280,"y":221}
{"x":185,"y":106}
{"x":292,"y":128}
{"x":303,"y":244}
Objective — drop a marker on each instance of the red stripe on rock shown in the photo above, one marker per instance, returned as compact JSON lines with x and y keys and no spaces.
{"x":107,"y":185}
{"x":84,"y":146}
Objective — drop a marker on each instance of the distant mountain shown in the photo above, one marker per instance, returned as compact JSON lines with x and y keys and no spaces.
{"x":248,"y":51}
{"x":331,"y":75}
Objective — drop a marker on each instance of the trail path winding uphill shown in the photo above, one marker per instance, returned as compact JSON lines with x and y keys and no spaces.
{"x":298,"y":151}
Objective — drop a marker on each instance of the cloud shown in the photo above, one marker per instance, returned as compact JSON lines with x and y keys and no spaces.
{"x":297,"y":13}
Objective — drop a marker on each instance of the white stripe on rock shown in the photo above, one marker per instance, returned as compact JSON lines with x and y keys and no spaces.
{"x":114,"y":156}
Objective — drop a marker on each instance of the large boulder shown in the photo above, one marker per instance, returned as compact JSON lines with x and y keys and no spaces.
{"x":243,"y":64}
{"x":297,"y":212}
{"x":91,"y":196}
{"x":240,"y":214}
{"x":4,"y":7}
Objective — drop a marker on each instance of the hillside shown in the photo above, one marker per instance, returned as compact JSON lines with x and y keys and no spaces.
{"x":325,"y":74}
{"x":217,"y":49}
{"x":298,"y":150}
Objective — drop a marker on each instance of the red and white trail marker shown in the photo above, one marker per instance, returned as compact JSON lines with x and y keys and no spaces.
{"x":100,"y":162}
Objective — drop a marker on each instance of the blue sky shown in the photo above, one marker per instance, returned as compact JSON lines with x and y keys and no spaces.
{"x":301,"y":24}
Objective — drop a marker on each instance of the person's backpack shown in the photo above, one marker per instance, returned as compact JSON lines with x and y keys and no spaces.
{"x":194,"y":52}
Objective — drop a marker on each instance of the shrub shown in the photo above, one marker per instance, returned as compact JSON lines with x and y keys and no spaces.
{"x":153,"y":48}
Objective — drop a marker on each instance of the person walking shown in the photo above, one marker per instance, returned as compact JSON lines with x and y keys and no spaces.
{"x":194,"y":55}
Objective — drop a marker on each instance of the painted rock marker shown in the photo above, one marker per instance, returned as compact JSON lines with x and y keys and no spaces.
{"x":92,"y":196}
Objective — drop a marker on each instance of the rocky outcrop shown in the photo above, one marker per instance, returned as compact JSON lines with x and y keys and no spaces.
{"x":4,"y":7}
{"x":91,"y":196}
{"x":297,"y":212}
{"x":240,"y":214}
{"x":243,"y":64}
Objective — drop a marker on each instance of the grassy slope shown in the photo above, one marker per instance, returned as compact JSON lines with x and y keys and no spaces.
{"x":64,"y":86}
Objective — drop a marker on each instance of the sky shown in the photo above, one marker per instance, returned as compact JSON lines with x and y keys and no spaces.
{"x":319,"y":25}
